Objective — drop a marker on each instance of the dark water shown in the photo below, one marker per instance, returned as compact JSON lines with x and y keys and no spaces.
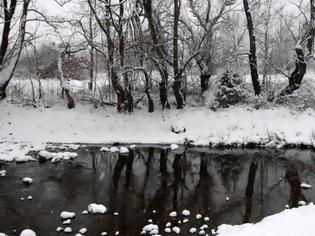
{"x":257,"y":182}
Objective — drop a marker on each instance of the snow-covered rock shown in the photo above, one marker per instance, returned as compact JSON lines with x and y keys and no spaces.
{"x":174,"y":146}
{"x":27,"y":181}
{"x":67,"y":222}
{"x":167,"y":230}
{"x":185,"y":220}
{"x":59,"y":229}
{"x":178,"y":127}
{"x":168,"y":224}
{"x":306,"y":186}
{"x":116,"y":213}
{"x":202,"y":232}
{"x":97,"y":208}
{"x":173,"y":214}
{"x":186,"y":213}
{"x":83,"y":230}
{"x":3,"y":234}
{"x":104,"y":233}
{"x":85,"y":212}
{"x":151,"y":229}
{"x":176,"y":230}
{"x":29,"y":198}
{"x":132,"y":146}
{"x":206,"y":218}
{"x":123,"y":150}
{"x":3,"y":173}
{"x":57,"y":156}
{"x":192,"y":230}
{"x":28,"y":232}
{"x":67,"y":215}
{"x":198,"y":216}
{"x":68,"y":230}
{"x":104,"y":149}
{"x":114,"y":149}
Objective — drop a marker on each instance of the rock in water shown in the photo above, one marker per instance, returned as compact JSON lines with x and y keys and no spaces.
{"x":27,"y":232}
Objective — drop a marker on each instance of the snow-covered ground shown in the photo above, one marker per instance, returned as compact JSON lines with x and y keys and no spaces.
{"x":291,"y":222}
{"x":23,"y":129}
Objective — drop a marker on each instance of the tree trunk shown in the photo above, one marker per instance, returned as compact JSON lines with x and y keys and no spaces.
{"x":160,"y":52}
{"x":204,"y":82}
{"x":7,"y":67}
{"x":63,"y":82}
{"x":177,"y":86}
{"x":297,"y":75}
{"x":310,"y":42}
{"x":252,"y":56}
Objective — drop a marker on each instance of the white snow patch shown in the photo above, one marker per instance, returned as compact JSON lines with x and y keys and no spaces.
{"x":192,"y":230}
{"x":3,"y":173}
{"x":97,"y":208}
{"x":185,"y":213}
{"x":290,"y":222}
{"x":174,"y":146}
{"x":123,"y":150}
{"x":28,"y":232}
{"x":68,"y":230}
{"x":306,"y":186}
{"x":67,"y":215}
{"x":104,"y":149}
{"x":67,"y":222}
{"x":83,"y":230}
{"x":173,"y":214}
{"x":27,"y":180}
{"x":114,"y":149}
{"x":176,"y":230}
{"x":198,"y":216}
{"x":59,"y":229}
{"x":151,"y":229}
{"x":57,"y":156}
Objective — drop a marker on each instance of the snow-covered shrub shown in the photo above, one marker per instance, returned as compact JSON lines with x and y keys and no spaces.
{"x":226,"y":89}
{"x":301,"y":99}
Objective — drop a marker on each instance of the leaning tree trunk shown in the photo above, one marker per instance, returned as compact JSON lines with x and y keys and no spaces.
{"x":64,"y":82}
{"x":252,"y":42}
{"x":7,"y":67}
{"x":297,"y":75}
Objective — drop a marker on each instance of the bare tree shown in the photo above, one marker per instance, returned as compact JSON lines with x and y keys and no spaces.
{"x":9,"y":59}
{"x":252,"y":45}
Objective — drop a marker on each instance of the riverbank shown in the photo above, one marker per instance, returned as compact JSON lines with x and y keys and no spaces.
{"x":23,"y":129}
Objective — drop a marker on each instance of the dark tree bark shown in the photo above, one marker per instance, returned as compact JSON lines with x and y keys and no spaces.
{"x":297,"y":75}
{"x":160,"y":53}
{"x":204,"y":82}
{"x":63,"y":82}
{"x":7,"y":67}
{"x":252,"y":43}
{"x":310,"y":42}
{"x":177,"y":86}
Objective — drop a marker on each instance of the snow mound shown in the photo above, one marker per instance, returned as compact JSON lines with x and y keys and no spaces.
{"x":28,"y":232}
{"x":185,"y":213}
{"x":104,"y":149}
{"x":2,"y":174}
{"x":67,"y":215}
{"x":176,"y":230}
{"x":114,"y":149}
{"x":57,"y":156}
{"x":123,"y":150}
{"x":174,"y":146}
{"x":306,"y":186}
{"x":83,"y":230}
{"x":27,"y":180}
{"x":290,"y":222}
{"x":178,"y":127}
{"x":68,"y":230}
{"x":151,"y":229}
{"x":192,"y":230}
{"x":97,"y":208}
{"x":173,"y":214}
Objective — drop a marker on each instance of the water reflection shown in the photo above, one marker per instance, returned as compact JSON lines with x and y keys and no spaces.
{"x":229,"y":186}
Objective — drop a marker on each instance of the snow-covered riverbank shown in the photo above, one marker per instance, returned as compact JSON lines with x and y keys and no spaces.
{"x":30,"y":128}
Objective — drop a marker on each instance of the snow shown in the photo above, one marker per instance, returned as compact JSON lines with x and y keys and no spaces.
{"x":27,"y":180}
{"x":174,"y":146}
{"x":68,"y":230}
{"x":198,"y":216}
{"x":59,"y":229}
{"x":3,"y":173}
{"x":178,"y":127}
{"x":104,"y":233}
{"x":206,"y":218}
{"x":185,"y":213}
{"x":185,"y":221}
{"x":290,"y":222}
{"x":83,"y":230}
{"x":55,"y":157}
{"x":168,"y":224}
{"x":28,"y":232}
{"x":104,"y":149}
{"x":306,"y":186}
{"x":151,"y":229}
{"x":67,"y":215}
{"x":2,"y":234}
{"x":29,"y":198}
{"x":84,"y":124}
{"x":97,"y":208}
{"x":173,"y":214}
{"x":192,"y":230}
{"x":67,"y":222}
{"x":85,"y":212}
{"x":123,"y":150}
{"x":176,"y":230}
